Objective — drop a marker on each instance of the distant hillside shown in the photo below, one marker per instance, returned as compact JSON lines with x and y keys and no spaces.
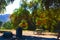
{"x":4,"y":17}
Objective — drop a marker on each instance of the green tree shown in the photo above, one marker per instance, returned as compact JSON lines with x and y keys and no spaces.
{"x":1,"y":23}
{"x":8,"y":25}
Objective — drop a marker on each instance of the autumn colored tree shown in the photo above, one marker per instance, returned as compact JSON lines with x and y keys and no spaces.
{"x":47,"y":16}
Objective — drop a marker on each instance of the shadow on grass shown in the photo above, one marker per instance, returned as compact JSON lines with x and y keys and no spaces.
{"x":27,"y":38}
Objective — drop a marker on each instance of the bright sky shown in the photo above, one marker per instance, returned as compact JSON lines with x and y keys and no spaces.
{"x":10,"y":8}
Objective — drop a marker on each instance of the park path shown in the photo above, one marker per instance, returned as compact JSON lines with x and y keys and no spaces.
{"x":30,"y":33}
{"x":47,"y":34}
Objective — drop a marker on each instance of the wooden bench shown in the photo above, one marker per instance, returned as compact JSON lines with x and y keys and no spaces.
{"x":38,"y":31}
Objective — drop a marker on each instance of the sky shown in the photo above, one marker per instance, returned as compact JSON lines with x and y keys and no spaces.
{"x":10,"y":8}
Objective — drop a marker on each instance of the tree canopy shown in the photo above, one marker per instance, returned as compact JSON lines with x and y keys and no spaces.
{"x":43,"y":13}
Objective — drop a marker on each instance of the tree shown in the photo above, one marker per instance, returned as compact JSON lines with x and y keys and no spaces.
{"x":1,"y":23}
{"x":42,"y":10}
{"x":8,"y":25}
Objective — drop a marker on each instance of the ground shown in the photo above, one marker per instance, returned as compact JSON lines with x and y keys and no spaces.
{"x":30,"y":35}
